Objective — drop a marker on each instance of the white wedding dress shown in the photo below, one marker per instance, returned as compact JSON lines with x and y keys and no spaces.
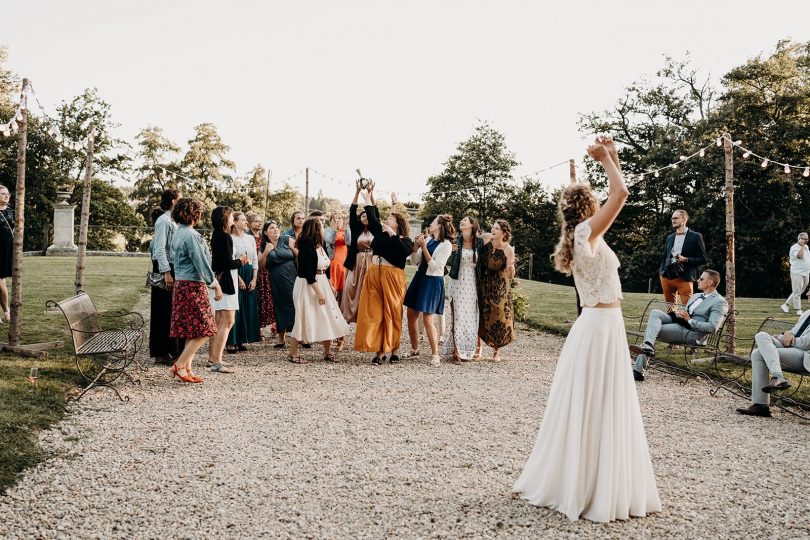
{"x":591,"y":457}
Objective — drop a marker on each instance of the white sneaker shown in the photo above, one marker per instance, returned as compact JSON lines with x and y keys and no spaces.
{"x":799,"y":312}
{"x":435,"y":360}
{"x":785,"y":308}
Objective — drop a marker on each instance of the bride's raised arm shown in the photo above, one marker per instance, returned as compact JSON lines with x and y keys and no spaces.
{"x":604,"y":151}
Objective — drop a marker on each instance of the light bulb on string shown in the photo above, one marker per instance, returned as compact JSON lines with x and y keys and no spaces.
{"x":747,"y":154}
{"x":59,"y":138}
{"x":684,"y":158}
{"x":787,"y":169}
{"x":19,"y":116}
{"x":737,"y":143}
{"x":656,"y":174}
{"x":806,"y":172}
{"x":674,"y":165}
{"x":719,"y":141}
{"x":13,"y":125}
{"x":702,"y":152}
{"x":764,"y":163}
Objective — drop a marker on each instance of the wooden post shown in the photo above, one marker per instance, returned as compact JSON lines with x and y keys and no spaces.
{"x":306,"y":193}
{"x":85,"y":220}
{"x":267,"y":195}
{"x":731,"y":323}
{"x":19,"y":224}
{"x":531,"y":265}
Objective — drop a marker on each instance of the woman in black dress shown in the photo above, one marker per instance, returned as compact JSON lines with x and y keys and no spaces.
{"x":6,"y":247}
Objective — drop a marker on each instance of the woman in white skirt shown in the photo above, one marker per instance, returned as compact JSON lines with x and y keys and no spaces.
{"x":225,"y":267}
{"x":591,"y":457}
{"x":317,"y":313}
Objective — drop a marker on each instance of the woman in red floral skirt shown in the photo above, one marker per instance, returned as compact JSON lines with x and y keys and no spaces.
{"x":192,"y":318}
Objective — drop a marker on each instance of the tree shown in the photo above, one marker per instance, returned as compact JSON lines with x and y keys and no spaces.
{"x":325,"y":204}
{"x":482,"y":162}
{"x":532,"y":212}
{"x":765,"y":103}
{"x":281,"y":204}
{"x":205,"y":162}
{"x":156,"y":154}
{"x":111,"y":217}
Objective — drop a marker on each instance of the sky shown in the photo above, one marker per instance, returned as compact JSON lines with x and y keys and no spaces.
{"x":387,"y":87}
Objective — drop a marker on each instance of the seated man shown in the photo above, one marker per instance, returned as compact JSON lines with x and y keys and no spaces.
{"x":789,"y":350}
{"x":703,"y":315}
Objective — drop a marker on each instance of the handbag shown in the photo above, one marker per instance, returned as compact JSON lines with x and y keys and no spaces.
{"x":156,"y":280}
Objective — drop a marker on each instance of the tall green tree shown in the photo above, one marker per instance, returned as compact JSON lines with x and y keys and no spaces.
{"x":482,"y":162}
{"x":156,"y":154}
{"x":208,"y":166}
{"x":764,"y":103}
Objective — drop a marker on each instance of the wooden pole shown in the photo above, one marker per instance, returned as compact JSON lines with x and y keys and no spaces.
{"x":731,"y":323}
{"x":267,"y":195}
{"x":85,"y":220}
{"x":19,"y":224}
{"x":306,"y":194}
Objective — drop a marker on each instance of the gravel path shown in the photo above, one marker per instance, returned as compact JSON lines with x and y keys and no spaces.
{"x":353,"y":451}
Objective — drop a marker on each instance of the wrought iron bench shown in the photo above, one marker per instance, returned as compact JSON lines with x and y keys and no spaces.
{"x":711,"y":346}
{"x":741,"y":384}
{"x":111,"y":341}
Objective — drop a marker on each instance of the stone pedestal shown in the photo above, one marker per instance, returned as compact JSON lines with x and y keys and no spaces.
{"x":63,"y":220}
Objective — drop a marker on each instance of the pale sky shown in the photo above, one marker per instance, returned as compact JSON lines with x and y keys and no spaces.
{"x":389,"y":87}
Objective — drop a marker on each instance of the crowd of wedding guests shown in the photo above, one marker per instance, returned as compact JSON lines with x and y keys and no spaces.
{"x":310,"y":281}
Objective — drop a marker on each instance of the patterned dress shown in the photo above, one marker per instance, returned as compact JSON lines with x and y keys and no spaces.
{"x":463,"y":295}
{"x":497,"y":323}
{"x":267,"y":313}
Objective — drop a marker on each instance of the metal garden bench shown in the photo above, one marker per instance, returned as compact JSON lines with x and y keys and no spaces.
{"x":711,"y":347}
{"x":111,"y":341}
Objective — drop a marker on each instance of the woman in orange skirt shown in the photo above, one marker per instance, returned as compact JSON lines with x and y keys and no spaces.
{"x":379,"y":317}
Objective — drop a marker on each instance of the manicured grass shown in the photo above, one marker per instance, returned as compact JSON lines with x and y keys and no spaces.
{"x":114,"y":283}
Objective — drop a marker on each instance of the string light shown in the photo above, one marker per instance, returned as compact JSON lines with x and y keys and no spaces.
{"x":655,"y":174}
{"x":684,"y":158}
{"x":746,"y":154}
{"x":702,"y":152}
{"x":806,"y":172}
{"x":787,"y":169}
{"x":674,"y":165}
{"x":764,"y":163}
{"x":19,"y":116}
{"x":719,"y":141}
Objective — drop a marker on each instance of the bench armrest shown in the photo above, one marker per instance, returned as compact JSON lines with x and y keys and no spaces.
{"x":129,"y":319}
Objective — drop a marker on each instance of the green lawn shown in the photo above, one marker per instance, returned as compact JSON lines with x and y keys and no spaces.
{"x":113,"y":283}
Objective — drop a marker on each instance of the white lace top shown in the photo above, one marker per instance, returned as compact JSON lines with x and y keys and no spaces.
{"x":596,"y":272}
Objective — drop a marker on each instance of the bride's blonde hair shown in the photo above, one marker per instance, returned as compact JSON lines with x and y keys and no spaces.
{"x":577,"y":203}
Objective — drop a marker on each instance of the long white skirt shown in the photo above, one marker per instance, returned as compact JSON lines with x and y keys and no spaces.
{"x":591,"y":458}
{"x":314,"y":322}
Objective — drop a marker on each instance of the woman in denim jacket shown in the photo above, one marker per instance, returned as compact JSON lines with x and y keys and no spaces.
{"x":192,"y":318}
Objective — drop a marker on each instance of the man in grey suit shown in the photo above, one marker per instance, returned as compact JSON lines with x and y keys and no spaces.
{"x":703,"y":315}
{"x":790,"y":351}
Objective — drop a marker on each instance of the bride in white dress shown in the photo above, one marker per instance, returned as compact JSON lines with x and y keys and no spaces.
{"x":591,"y":457}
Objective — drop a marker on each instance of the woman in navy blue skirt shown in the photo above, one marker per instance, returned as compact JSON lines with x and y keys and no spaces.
{"x":425,"y":294}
